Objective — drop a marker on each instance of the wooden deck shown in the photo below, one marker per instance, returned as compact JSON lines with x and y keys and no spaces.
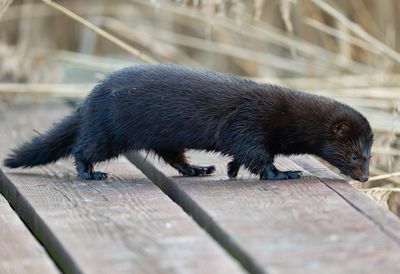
{"x":147,"y":219}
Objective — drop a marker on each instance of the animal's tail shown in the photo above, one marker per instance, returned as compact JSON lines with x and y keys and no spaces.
{"x":45,"y":148}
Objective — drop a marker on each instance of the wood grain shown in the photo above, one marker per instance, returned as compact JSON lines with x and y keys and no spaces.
{"x":296,"y":226}
{"x":20,"y":252}
{"x":385,"y":220}
{"x":124,"y":224}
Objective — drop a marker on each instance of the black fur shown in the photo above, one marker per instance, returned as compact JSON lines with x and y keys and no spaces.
{"x":46,"y":148}
{"x":170,"y":108}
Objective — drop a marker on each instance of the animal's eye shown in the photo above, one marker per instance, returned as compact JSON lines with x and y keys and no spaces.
{"x":354,"y":156}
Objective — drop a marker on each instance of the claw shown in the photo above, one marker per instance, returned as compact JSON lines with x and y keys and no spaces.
{"x":99,"y":176}
{"x":197,"y":170}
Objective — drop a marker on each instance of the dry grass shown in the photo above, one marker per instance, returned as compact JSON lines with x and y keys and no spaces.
{"x":348,"y":50}
{"x":101,"y":32}
{"x":26,"y":67}
{"x":4,"y":5}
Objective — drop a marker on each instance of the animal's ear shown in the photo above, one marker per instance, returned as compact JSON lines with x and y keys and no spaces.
{"x":341,"y":129}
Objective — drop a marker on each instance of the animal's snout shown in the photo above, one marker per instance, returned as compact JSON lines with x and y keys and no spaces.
{"x":363,"y":178}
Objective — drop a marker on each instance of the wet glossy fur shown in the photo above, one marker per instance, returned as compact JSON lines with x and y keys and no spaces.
{"x":170,"y":108}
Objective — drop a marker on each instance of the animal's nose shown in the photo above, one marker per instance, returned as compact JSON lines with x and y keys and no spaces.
{"x":364,"y":178}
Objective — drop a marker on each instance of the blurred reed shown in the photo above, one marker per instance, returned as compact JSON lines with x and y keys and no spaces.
{"x":348,"y":50}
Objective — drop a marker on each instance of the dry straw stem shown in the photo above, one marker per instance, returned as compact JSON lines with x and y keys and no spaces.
{"x":101,"y":32}
{"x":87,"y":61}
{"x":285,"y":11}
{"x":358,"y":30}
{"x":340,"y":35}
{"x":388,"y":93}
{"x":263,"y":30}
{"x":4,"y":5}
{"x":217,"y":47}
{"x":384,"y":176}
{"x":342,"y":81}
{"x":391,"y":189}
{"x":165,"y":51}
{"x":63,"y":90}
{"x":393,"y":180}
{"x":41,"y":11}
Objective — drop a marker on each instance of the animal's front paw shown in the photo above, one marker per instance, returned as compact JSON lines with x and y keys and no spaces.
{"x":293,"y":174}
{"x":275,"y":174}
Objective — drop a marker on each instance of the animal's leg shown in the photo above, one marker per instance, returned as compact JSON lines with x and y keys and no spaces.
{"x":177,"y":159}
{"x":85,"y":169}
{"x":233,"y":169}
{"x":260,"y":162}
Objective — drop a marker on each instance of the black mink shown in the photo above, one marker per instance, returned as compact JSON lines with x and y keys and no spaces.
{"x":170,"y":108}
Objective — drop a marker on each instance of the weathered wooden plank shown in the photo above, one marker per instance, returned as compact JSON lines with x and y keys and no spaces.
{"x":296,"y":226}
{"x":385,"y":220}
{"x":20,"y":252}
{"x":124,"y":224}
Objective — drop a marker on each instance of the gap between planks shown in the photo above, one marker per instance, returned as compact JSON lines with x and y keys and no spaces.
{"x":181,"y":192}
{"x":200,"y":247}
{"x":36,"y":224}
{"x":168,"y":186}
{"x":20,"y":251}
{"x":193,"y":209}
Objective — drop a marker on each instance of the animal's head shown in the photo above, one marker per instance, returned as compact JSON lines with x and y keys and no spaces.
{"x":350,"y":144}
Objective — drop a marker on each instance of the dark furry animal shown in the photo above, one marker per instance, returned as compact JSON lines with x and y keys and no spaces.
{"x":170,"y":108}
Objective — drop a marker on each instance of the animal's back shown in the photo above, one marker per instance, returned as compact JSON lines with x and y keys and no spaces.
{"x":165,"y":105}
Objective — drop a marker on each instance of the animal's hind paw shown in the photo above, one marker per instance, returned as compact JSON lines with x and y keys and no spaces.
{"x":99,"y":175}
{"x":197,"y":170}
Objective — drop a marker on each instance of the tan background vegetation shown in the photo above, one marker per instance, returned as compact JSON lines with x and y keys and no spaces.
{"x":348,"y":50}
